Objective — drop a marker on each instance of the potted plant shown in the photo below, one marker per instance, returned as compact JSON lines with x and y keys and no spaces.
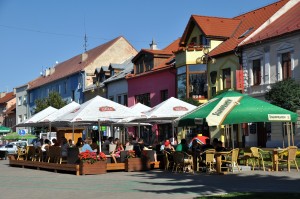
{"x":133,"y":163}
{"x":91,"y":163}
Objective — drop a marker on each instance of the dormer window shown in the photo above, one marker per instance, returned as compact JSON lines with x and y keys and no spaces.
{"x":193,"y":42}
{"x":112,"y":72}
{"x":204,"y":41}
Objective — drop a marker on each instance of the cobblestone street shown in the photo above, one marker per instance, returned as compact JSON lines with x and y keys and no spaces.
{"x":17,"y":182}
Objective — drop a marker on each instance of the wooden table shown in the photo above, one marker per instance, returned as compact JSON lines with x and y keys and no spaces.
{"x":275,"y":158}
{"x":218,"y":156}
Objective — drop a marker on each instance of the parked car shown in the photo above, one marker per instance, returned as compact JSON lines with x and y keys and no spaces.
{"x":10,"y":148}
{"x":20,"y":143}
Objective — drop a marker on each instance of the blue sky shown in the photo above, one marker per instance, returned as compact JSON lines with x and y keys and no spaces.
{"x":35,"y":34}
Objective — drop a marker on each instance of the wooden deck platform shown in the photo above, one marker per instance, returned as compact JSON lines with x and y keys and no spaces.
{"x":69,"y":167}
{"x":45,"y":165}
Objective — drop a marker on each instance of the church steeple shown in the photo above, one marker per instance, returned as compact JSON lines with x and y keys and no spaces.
{"x":153,"y":45}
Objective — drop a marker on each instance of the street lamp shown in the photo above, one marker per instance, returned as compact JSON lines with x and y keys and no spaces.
{"x":205,"y":57}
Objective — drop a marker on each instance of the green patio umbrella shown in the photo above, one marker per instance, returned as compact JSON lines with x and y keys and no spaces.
{"x":4,"y":129}
{"x":235,"y":108}
{"x":16,"y":136}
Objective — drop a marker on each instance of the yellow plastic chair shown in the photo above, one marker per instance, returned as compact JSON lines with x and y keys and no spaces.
{"x":21,"y":153}
{"x":257,"y":157}
{"x":210,"y":160}
{"x":182,"y":162}
{"x":291,"y":158}
{"x":231,"y":159}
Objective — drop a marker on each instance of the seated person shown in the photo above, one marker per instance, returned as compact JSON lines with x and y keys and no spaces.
{"x":79,"y":142}
{"x":167,"y":147}
{"x":64,"y":147}
{"x":95,"y":146}
{"x":116,"y":153}
{"x":87,"y":145}
{"x":183,"y":146}
{"x":45,"y":148}
{"x":220,"y":147}
{"x":140,"y":146}
{"x":55,"y":142}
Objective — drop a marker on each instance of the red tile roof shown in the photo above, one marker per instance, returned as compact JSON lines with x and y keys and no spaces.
{"x":7,"y":97}
{"x":225,"y":27}
{"x":166,"y":51}
{"x":165,"y":64}
{"x":255,"y":19}
{"x":216,"y":26}
{"x":72,"y":66}
{"x":11,"y":109}
{"x":287,"y":23}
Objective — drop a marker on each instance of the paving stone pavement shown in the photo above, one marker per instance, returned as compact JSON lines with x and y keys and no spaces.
{"x":17,"y":182}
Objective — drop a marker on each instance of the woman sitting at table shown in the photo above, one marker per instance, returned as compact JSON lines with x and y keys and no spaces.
{"x":116,"y":153}
{"x":87,"y":145}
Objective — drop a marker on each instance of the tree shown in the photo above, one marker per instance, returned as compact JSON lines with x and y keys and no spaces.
{"x":285,"y":94}
{"x":54,"y":100}
{"x":192,"y":101}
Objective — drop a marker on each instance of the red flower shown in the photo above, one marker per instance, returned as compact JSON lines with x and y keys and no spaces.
{"x":91,"y":157}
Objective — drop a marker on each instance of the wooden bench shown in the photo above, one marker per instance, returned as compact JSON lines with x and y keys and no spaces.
{"x":45,"y":165}
{"x":115,"y":166}
{"x":155,"y":165}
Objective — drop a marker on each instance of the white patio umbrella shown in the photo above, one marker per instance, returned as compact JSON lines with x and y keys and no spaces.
{"x":167,"y":111}
{"x":98,"y":109}
{"x":33,"y":121}
{"x":60,"y":112}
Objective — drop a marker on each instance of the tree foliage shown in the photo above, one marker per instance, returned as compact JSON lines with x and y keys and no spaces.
{"x":285,"y":94}
{"x":54,"y":100}
{"x":192,"y":101}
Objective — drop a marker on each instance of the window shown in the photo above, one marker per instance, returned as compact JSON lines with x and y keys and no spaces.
{"x":73,"y":95}
{"x":213,"y":91}
{"x":120,"y":99}
{"x":286,"y":65}
{"x":112,"y":72}
{"x":20,"y":101}
{"x":164,"y":95}
{"x":256,"y":72}
{"x":111,"y":98}
{"x":197,"y":85}
{"x":245,"y":33}
{"x":226,"y":78}
{"x":143,"y":99}
{"x":125,"y":100}
{"x":25,"y":117}
{"x":213,"y":77}
{"x":204,"y":41}
{"x":19,"y":118}
{"x":30,"y":97}
{"x":193,"y":42}
{"x":181,"y":82}
{"x":65,"y":87}
{"x":25,"y":99}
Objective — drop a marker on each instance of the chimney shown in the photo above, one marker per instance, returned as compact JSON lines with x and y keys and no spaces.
{"x":153,"y":45}
{"x":84,"y":57}
{"x":52,"y":70}
{"x":47,"y":72}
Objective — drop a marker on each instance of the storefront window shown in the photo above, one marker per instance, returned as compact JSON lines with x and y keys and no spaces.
{"x":198,"y":87}
{"x":181,"y":82}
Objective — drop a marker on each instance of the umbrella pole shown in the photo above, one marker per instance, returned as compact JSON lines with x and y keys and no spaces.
{"x":292,"y":132}
{"x":288,"y":133}
{"x":139,"y":130}
{"x":283,"y":136}
{"x":232,"y":137}
{"x":73,"y":132}
{"x":99,"y":132}
{"x":173,"y":134}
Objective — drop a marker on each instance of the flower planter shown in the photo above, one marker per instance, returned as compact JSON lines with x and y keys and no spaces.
{"x":96,"y":168}
{"x":137,"y":164}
